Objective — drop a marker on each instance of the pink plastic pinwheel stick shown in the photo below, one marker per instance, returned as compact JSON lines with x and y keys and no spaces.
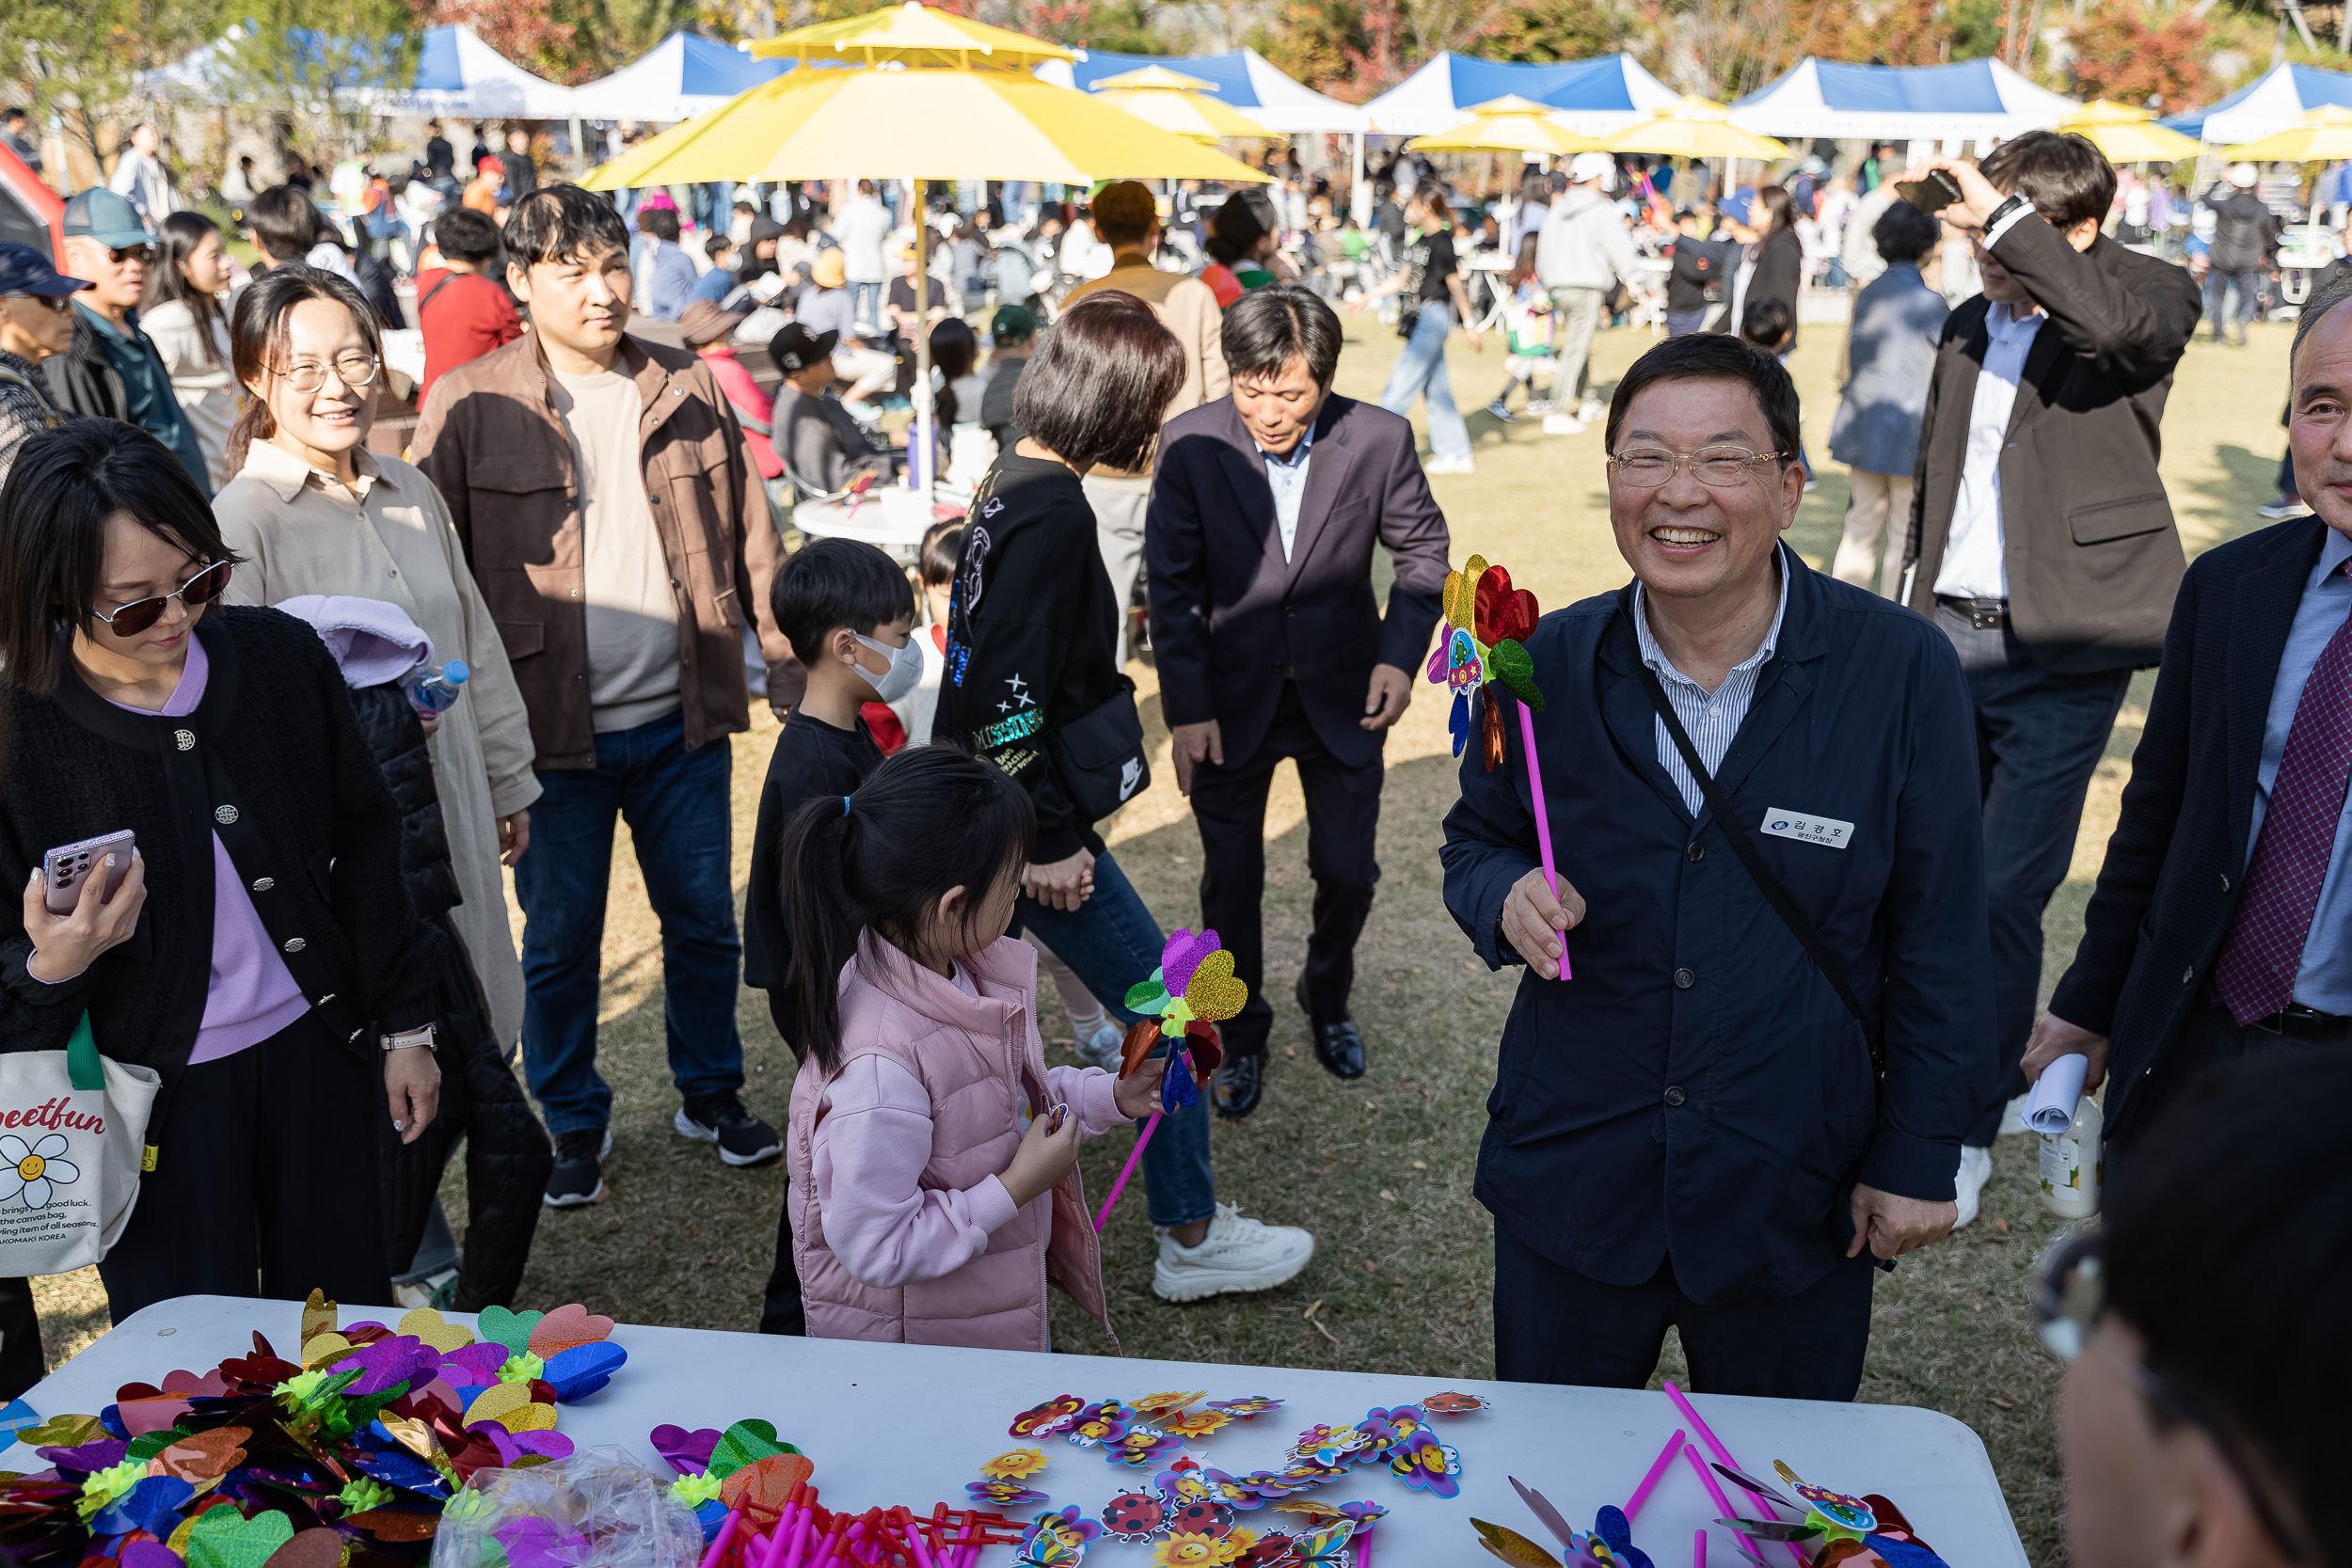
{"x":1125,"y":1171}
{"x":1715,"y":1447}
{"x":1698,"y":1549}
{"x":1543,"y":819}
{"x":719,"y":1542}
{"x":1657,"y":1473}
{"x":1706,"y":1479}
{"x":1361,"y":1540}
{"x":796,"y":1549}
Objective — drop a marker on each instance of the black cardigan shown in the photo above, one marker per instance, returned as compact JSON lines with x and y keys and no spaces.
{"x":273,"y":760}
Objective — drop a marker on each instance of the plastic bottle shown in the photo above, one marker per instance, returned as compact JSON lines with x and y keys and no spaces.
{"x":432,"y":692}
{"x":2072,"y":1165}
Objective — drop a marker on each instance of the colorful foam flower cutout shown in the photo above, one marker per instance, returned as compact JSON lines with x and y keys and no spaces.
{"x":1103,"y":1422}
{"x":1140,"y":1448}
{"x":1427,"y":1466}
{"x":1168,"y":1404}
{"x":1248,"y":1408}
{"x":1003,"y":1493}
{"x":1055,"y":1415}
{"x":1016,"y":1464}
{"x":31,"y":1172}
{"x":1196,"y":1423}
{"x":1488,"y":625}
{"x":1198,"y":1551}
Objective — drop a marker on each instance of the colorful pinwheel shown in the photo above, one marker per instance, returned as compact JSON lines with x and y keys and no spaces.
{"x":1186,"y":997}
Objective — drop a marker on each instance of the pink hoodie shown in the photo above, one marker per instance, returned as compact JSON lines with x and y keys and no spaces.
{"x":901,"y":1226}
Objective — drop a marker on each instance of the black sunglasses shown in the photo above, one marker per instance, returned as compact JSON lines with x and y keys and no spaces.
{"x":139,"y":615}
{"x":57,"y":305}
{"x":2068,"y":1298}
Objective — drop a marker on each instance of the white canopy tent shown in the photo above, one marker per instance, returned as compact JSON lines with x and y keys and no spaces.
{"x":1242,"y":78}
{"x":458,"y":77}
{"x":2275,"y":100}
{"x":1979,"y":101}
{"x":682,"y":77}
{"x":1592,"y":98}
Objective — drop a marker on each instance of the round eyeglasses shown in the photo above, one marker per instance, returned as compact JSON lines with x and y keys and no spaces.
{"x":354,"y":371}
{"x":1721,"y":467}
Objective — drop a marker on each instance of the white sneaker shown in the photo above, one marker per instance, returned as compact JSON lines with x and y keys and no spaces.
{"x":1099,"y":1046}
{"x":1563,"y":424}
{"x":2013,"y":1116}
{"x":1237,"y":1255}
{"x":1592,"y":411}
{"x":1450,"y":465}
{"x":1975,"y":1170}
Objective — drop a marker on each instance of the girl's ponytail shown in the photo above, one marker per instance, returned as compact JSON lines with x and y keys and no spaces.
{"x":824,"y":924}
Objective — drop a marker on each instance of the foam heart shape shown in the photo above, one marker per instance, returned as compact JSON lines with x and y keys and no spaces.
{"x":744,"y":1443}
{"x":1436,"y":665}
{"x":409,"y":1434}
{"x":1213,"y":994}
{"x":1181,"y":955}
{"x":322,"y":1350}
{"x":63,"y":1431}
{"x":511,"y":1329}
{"x":221,"y":1539}
{"x":1462,"y":602}
{"x":497,"y":1403}
{"x":1147,"y":996}
{"x":202,"y":1455}
{"x":310,"y":1548}
{"x":1516,"y":669}
{"x":1458,"y":722}
{"x":580,"y":1372}
{"x":1611,"y":1525}
{"x":1502,"y":609}
{"x":141,"y":1416}
{"x":1200,"y":1039}
{"x":190,"y":1386}
{"x":429,"y":1325}
{"x":318,"y":1316}
{"x":568,"y":1326}
{"x":149,"y":1554}
{"x":385,"y":1524}
{"x":1142,"y":1035}
{"x":763,"y":1487}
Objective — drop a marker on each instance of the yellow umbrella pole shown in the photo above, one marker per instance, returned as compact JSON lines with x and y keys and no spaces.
{"x":927,"y":455}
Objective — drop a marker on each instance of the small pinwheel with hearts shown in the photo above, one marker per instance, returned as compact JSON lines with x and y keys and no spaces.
{"x":1190,"y":993}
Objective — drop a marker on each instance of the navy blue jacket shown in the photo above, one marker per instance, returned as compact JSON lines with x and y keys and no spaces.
{"x":1697,"y":1089}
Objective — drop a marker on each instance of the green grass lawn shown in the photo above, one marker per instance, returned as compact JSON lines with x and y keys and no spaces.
{"x":1381,"y":1168}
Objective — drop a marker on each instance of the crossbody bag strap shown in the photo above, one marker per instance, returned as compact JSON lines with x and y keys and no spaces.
{"x":1766,"y":882}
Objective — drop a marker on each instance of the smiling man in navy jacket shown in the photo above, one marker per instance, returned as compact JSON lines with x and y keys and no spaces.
{"x":1690,"y":1129}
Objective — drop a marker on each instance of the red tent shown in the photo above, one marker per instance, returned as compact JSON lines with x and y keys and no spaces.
{"x":30,"y":212}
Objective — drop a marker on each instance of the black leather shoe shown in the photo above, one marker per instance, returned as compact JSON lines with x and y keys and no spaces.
{"x":1238,"y":1084}
{"x":1339,"y":1046}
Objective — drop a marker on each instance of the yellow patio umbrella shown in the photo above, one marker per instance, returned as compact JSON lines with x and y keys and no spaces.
{"x":1694,"y":127}
{"x":1177,"y":103}
{"x":2320,"y":136}
{"x":1511,"y":124}
{"x":913,"y":34}
{"x":2127,"y":135}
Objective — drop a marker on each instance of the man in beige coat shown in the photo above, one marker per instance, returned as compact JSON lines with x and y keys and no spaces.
{"x":1128,"y":220}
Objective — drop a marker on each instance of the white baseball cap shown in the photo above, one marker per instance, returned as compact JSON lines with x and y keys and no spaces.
{"x":1593,"y":166}
{"x":2244,"y":175}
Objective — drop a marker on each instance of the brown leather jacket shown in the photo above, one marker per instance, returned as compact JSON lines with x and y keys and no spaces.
{"x":491,"y":441}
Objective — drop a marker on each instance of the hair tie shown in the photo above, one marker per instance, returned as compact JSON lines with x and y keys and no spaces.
{"x":845,"y":805}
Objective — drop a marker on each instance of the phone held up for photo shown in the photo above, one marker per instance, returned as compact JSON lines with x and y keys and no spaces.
{"x":1931,"y":194}
{"x":62,"y":869}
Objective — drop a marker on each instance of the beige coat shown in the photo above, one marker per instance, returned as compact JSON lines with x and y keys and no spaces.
{"x":1185,"y":307}
{"x":300,"y":533}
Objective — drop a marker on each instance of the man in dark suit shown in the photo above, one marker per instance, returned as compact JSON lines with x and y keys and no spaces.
{"x":1266,"y":505}
{"x":2040,"y":538}
{"x":2222,"y":922}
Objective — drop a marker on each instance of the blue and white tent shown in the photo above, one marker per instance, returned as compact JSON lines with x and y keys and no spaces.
{"x":2273,"y":101}
{"x":1592,"y":98}
{"x":458,"y":77}
{"x":1971,"y":101}
{"x":684,"y":75}
{"x":1243,"y":78}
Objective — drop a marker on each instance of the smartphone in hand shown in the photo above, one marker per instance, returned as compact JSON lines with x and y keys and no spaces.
{"x":1931,"y":194}
{"x":64,"y":868}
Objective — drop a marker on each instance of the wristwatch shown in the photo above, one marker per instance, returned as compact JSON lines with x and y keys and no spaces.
{"x":2001,"y":215}
{"x":409,"y":1040}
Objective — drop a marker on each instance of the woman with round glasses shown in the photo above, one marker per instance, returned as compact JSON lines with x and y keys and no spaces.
{"x":312,"y":510}
{"x":260,"y":952}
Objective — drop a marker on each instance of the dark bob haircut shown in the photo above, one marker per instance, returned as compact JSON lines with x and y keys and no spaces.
{"x":1904,"y":233}
{"x":66,"y":483}
{"x":563,"y":222}
{"x":466,"y":235}
{"x":1267,"y":327}
{"x":661,"y":222}
{"x":2066,"y":177}
{"x":284,"y":223}
{"x":1714,"y":356}
{"x":2241,"y":1177}
{"x":836,"y":582}
{"x":1097,"y":390}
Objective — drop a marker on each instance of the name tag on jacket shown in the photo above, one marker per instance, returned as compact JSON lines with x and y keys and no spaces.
{"x":1806,"y":828}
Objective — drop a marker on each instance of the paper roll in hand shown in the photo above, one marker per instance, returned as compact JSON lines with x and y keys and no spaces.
{"x":2051,"y":1109}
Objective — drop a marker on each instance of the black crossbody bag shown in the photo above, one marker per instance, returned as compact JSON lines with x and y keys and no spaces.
{"x":1100,"y":755}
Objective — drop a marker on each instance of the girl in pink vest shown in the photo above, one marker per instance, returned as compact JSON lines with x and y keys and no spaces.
{"x":934,"y":1154}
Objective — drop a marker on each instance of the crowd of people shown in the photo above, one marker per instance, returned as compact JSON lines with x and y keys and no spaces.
{"x":1786,"y":1050}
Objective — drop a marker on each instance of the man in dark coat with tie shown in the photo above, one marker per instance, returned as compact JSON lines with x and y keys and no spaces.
{"x":2222,"y":922}
{"x":1271,"y":643}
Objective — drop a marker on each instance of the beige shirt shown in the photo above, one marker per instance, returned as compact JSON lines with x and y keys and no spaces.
{"x":207,"y":391}
{"x":300,"y":532}
{"x":1187,"y":307}
{"x":631,"y":607}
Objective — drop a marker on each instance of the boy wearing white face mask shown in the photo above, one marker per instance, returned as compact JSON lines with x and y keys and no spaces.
{"x":849,"y":612}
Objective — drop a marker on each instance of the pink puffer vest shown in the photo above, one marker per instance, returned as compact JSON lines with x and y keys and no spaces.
{"x":976,"y":1058}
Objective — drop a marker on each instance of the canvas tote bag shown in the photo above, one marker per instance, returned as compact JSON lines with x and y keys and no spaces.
{"x":72,"y":1131}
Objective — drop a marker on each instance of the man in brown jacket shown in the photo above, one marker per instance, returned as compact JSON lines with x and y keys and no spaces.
{"x":1128,"y":220}
{"x":599,"y":486}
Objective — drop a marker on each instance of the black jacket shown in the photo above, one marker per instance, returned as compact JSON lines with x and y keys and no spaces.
{"x":812,"y":759}
{"x":272,"y":761}
{"x":1779,"y":274}
{"x":2172,"y":878}
{"x":2092,"y":554}
{"x":1698,"y":273}
{"x":84,"y":381}
{"x":2244,"y":231}
{"x":1232,"y":620}
{"x":507,"y":1156}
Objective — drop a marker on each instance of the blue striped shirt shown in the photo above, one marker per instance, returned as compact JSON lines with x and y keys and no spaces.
{"x":1713,"y":718}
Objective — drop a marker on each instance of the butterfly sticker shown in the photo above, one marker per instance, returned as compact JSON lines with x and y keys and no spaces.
{"x":1326,"y":1547}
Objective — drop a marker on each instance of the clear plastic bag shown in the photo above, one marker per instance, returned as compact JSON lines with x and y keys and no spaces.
{"x":598,"y":1509}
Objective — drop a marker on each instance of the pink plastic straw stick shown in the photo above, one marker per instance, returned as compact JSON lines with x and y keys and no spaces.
{"x":1715,"y":1446}
{"x":1362,"y":1542}
{"x":1543,"y":819}
{"x":719,"y":1541}
{"x":1657,"y":1473}
{"x":1129,"y":1168}
{"x":1698,"y":1549}
{"x":1707,"y":1477}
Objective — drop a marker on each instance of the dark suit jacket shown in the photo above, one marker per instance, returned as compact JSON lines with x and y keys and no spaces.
{"x":1229,"y":616}
{"x":1697,"y":1089}
{"x":2093,"y":553}
{"x":2172,"y":874}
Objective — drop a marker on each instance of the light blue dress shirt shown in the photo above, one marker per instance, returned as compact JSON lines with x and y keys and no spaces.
{"x":2324,"y":981}
{"x":1288,"y":476}
{"x":1712,"y":718}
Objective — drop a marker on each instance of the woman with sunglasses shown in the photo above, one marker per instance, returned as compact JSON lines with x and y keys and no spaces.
{"x":312,"y":510}
{"x":261,"y":952}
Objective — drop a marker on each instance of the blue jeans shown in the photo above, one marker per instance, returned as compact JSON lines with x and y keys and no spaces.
{"x":1112,"y":943}
{"x":865,"y":303}
{"x":1421,"y":369}
{"x":2039,"y":736}
{"x":2219,"y":285}
{"x":676,"y":802}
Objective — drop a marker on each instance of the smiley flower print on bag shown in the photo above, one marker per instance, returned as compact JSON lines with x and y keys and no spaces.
{"x":32,"y":1172}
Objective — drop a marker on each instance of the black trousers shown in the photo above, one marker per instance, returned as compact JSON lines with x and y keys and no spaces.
{"x":20,"y":1362}
{"x":1342,"y":824}
{"x":1555,"y":1325}
{"x":780,"y":1309}
{"x":2208,"y":1036}
{"x":265,"y":1181}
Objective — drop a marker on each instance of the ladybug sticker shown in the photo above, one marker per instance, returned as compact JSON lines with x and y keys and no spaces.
{"x":1134,"y":1517}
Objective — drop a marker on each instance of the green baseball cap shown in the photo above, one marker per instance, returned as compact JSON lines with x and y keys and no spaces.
{"x":102,"y":216}
{"x":1012,"y":325}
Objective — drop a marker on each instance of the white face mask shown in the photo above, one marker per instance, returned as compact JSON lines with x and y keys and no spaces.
{"x":904,"y":674}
